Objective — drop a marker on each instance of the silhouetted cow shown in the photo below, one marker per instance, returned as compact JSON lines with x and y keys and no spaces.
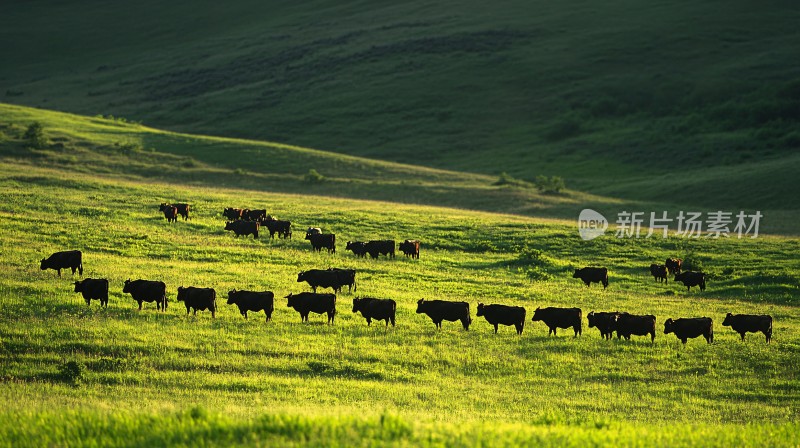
{"x":632,"y":324}
{"x":559,"y":318}
{"x":282,"y":228}
{"x":592,"y":275}
{"x":323,"y":240}
{"x":243,"y":228}
{"x":382,"y":247}
{"x":410,"y":248}
{"x":659,"y":272}
{"x":312,"y":231}
{"x":182,"y":209}
{"x":686,"y":328}
{"x":359,"y":248}
{"x":345,"y":277}
{"x":198,"y":299}
{"x":690,"y":279}
{"x":752,"y":323}
{"x":378,"y":309}
{"x":673,"y":265}
{"x":170,"y":212}
{"x":328,"y":278}
{"x":93,"y":289}
{"x":252,"y":301}
{"x":232,"y":213}
{"x":254,"y":215}
{"x":62,"y":260}
{"x":439,"y":310}
{"x":147,"y":291}
{"x":604,"y":321}
{"x":503,"y":315}
{"x":309,"y":302}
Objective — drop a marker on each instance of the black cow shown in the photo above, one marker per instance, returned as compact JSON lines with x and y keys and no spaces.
{"x":686,"y":328}
{"x":378,"y":309}
{"x":439,"y":310}
{"x":592,"y":275}
{"x":752,"y":323}
{"x":254,"y":215}
{"x":232,"y":213}
{"x":312,"y":231}
{"x":359,"y":248}
{"x":93,"y":288}
{"x":309,"y":302}
{"x":182,"y":209}
{"x":632,"y":324}
{"x":198,"y":298}
{"x":673,"y":265}
{"x":659,"y":272}
{"x":410,"y":248}
{"x":345,"y":277}
{"x":559,"y":318}
{"x":503,"y":315}
{"x":382,"y":247}
{"x":329,"y":278}
{"x":147,"y":291}
{"x":282,"y":228}
{"x":605,"y":321}
{"x":243,"y":228}
{"x":690,"y":278}
{"x":326,"y":240}
{"x":62,"y":260}
{"x":252,"y":301}
{"x":170,"y":212}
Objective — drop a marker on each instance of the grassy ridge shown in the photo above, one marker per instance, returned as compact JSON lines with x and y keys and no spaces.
{"x":589,"y":92}
{"x":148,"y":365}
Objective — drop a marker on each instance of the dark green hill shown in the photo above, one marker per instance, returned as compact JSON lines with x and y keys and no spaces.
{"x":594,"y":92}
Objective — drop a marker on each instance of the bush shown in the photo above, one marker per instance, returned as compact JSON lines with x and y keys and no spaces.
{"x":691,"y":262}
{"x":536,"y":264}
{"x":549,"y":184}
{"x":34,"y":136}
{"x":71,"y":371}
{"x":313,"y":177}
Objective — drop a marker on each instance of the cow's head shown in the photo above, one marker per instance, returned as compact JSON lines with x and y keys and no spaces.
{"x":577,"y":273}
{"x":668,"y":326}
{"x":420,"y":306}
{"x":480,"y":310}
{"x":181,"y":294}
{"x":229,"y":225}
{"x":126,"y":287}
{"x":79,"y":287}
{"x":591,"y":318}
{"x":231,"y":294}
{"x":301,"y":276}
{"x":43,"y":264}
{"x":536,"y":315}
{"x":728,"y":320}
{"x":357,"y":304}
{"x":290,"y":300}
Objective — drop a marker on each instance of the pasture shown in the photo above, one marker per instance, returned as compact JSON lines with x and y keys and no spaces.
{"x":73,"y":374}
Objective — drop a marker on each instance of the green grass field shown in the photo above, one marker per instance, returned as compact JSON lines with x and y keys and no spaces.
{"x":74,"y":375}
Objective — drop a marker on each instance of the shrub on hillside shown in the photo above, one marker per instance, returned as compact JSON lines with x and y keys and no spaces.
{"x":313,"y":177}
{"x":552,"y":184}
{"x":34,"y":136}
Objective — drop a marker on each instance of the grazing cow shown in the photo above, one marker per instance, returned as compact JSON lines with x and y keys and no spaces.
{"x":686,"y":328}
{"x":254,"y":215}
{"x":673,"y":265}
{"x":309,"y":302}
{"x":232,"y":213}
{"x":559,"y":318}
{"x":592,"y":275}
{"x":382,"y":247}
{"x":330,"y":278}
{"x":243,"y":228}
{"x":252,"y":301}
{"x":93,"y":288}
{"x":439,"y":310}
{"x":312,"y":231}
{"x":282,"y":228}
{"x":378,"y":309}
{"x":359,"y":248}
{"x":503,"y":315}
{"x":62,"y":260}
{"x":690,"y":278}
{"x":410,"y":248}
{"x":659,"y":272}
{"x":182,"y":209}
{"x":628,"y":324}
{"x":326,"y":240}
{"x":604,"y":321}
{"x":744,"y":323}
{"x":199,"y":299}
{"x":147,"y":291}
{"x":170,"y":212}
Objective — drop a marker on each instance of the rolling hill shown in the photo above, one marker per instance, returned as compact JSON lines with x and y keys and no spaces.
{"x":605,"y":96}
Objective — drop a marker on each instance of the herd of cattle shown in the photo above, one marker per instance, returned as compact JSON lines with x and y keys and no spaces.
{"x":624,"y":324}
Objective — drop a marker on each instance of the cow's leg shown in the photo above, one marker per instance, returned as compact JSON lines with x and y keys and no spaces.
{"x":683,"y":340}
{"x":742,"y":335}
{"x":587,"y":283}
{"x":369,"y":322}
{"x":392,"y":318}
{"x":140,"y":305}
{"x":213,"y":313}
{"x":495,"y":328}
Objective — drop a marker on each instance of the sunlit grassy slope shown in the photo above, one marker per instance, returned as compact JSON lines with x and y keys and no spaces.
{"x":148,"y":378}
{"x":593,"y":92}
